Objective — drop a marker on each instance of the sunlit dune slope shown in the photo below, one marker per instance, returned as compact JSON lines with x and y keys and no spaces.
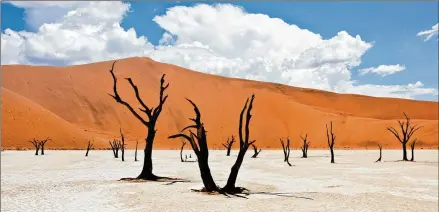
{"x":71,"y":105}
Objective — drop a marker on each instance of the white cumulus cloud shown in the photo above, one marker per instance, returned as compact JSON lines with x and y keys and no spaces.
{"x":382,"y":70}
{"x":222,"y":39}
{"x":429,"y":33}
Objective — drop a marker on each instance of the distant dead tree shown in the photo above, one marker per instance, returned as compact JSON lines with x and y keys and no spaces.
{"x":286,"y":149}
{"x":412,"y":146}
{"x":381,"y":149}
{"x":89,"y":146}
{"x":228,"y":144}
{"x":36,"y":144}
{"x":152,"y":114}
{"x":135,"y":153}
{"x":181,"y":151}
{"x":331,"y":141}
{"x":198,"y":143}
{"x":115,"y":145}
{"x":122,"y":144}
{"x":255,"y":149}
{"x":42,"y":143}
{"x":407,"y":132}
{"x":305,"y":146}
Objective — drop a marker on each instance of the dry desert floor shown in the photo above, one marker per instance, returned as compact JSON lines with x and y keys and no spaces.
{"x":68,"y":181}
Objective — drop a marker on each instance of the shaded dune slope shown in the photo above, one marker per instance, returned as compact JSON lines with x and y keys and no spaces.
{"x":71,"y":105}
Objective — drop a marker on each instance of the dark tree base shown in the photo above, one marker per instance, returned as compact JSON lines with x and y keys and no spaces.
{"x":153,"y":178}
{"x":189,"y":161}
{"x":237,"y":191}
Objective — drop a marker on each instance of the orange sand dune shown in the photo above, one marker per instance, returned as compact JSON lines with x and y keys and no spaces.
{"x":71,"y":105}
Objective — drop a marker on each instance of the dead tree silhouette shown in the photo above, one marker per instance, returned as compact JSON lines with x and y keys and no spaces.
{"x":381,"y":149}
{"x":331,"y":142}
{"x":122,"y":144}
{"x":244,"y":143}
{"x":36,"y":144}
{"x":412,"y":146}
{"x":286,"y":149}
{"x":305,"y":146}
{"x":152,"y":114}
{"x":181,"y":151}
{"x":89,"y":146}
{"x":198,"y":143}
{"x":42,"y":143}
{"x":135,"y":153}
{"x":407,"y":132}
{"x":112,"y":148}
{"x":115,"y":145}
{"x":228,"y":144}
{"x":255,"y":149}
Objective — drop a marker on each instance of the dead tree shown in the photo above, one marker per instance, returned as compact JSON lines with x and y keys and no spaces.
{"x":89,"y":146}
{"x":115,"y":145}
{"x":152,"y":115}
{"x":122,"y":145}
{"x":407,"y":132}
{"x":244,"y":143}
{"x":112,"y":148}
{"x":331,"y":142}
{"x":255,"y":149}
{"x":305,"y":146}
{"x":36,"y":144}
{"x":412,"y":145}
{"x":286,"y":149}
{"x":135,"y":153}
{"x":228,"y":144}
{"x":198,"y":143}
{"x":42,"y":143}
{"x":181,"y":151}
{"x":381,"y":149}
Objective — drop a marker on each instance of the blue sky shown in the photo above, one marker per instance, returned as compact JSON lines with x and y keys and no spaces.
{"x":390,"y":26}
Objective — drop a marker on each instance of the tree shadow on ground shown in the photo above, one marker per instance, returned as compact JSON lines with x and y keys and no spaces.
{"x":408,"y":161}
{"x":167,"y":180}
{"x":243,"y":193}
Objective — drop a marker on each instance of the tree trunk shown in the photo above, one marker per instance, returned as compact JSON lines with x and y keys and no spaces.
{"x":413,"y":154}
{"x":304,"y":152}
{"x":228,"y":151}
{"x":146,"y":173}
{"x":404,"y":152}
{"x":231,"y":181}
{"x":379,"y":159}
{"x":206,"y":176}
{"x":86,"y":153}
{"x":256,"y":153}
{"x":123,"y":153}
{"x":42,"y":149}
{"x":332,"y":155}
{"x":288,"y":162}
{"x":36,"y":151}
{"x":135,"y":153}
{"x":181,"y":152}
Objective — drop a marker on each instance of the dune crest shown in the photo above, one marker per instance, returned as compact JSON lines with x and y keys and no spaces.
{"x":71,"y":105}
